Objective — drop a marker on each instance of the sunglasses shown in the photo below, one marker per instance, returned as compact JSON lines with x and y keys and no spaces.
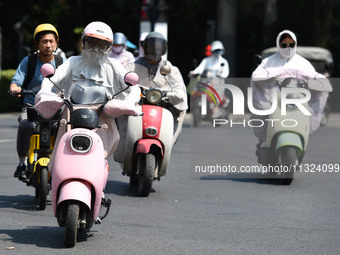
{"x":285,"y":45}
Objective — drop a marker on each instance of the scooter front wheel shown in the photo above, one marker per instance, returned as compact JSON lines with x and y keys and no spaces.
{"x":289,"y":161}
{"x":147,"y":166}
{"x":134,"y":181}
{"x":197,"y":116}
{"x":71,"y":225}
{"x":43,"y":188}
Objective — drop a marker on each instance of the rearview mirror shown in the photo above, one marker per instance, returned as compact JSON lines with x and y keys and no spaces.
{"x":131,"y":78}
{"x":257,"y":59}
{"x":165,"y":70}
{"x":47,"y":70}
{"x":329,"y":65}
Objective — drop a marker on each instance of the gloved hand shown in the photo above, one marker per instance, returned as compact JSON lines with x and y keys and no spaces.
{"x":116,"y":108}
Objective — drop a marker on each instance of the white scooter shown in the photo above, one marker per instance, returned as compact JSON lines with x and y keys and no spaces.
{"x":149,"y":140}
{"x":288,"y":126}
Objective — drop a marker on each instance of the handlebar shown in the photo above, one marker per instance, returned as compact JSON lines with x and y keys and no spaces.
{"x":32,"y":91}
{"x":22,"y":92}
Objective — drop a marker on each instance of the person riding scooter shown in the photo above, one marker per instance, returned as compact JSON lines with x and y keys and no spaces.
{"x":27,"y":76}
{"x":92,"y":78}
{"x":286,"y":58}
{"x":213,"y":70}
{"x":148,"y":69}
{"x":214,"y":64}
{"x":119,"y":51}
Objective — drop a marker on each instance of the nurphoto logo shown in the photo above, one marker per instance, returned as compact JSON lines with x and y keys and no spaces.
{"x":238,"y":102}
{"x":204,"y":97}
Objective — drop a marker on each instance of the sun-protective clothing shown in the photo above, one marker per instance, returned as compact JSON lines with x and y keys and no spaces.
{"x":286,"y":57}
{"x":281,"y":64}
{"x":94,"y":74}
{"x":119,"y":51}
{"x":214,"y":66}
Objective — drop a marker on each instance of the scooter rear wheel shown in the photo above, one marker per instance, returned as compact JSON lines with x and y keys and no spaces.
{"x":71,"y":225}
{"x":146,"y":174}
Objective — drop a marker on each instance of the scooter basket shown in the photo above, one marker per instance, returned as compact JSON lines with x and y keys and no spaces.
{"x":34,"y":116}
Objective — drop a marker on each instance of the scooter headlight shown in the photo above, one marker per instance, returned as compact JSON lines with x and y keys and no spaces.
{"x":151,"y":131}
{"x":154,"y":96}
{"x":81,"y":143}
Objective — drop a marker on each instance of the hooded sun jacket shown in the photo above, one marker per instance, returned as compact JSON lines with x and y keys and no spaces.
{"x":87,"y":72}
{"x":285,"y":60}
{"x":286,"y":57}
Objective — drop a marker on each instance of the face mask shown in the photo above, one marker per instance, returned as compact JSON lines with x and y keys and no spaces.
{"x":287,"y":53}
{"x":218,"y":52}
{"x":117,"y":49}
{"x":92,"y":55}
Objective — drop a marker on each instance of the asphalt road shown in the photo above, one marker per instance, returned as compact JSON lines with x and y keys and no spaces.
{"x":188,"y":212}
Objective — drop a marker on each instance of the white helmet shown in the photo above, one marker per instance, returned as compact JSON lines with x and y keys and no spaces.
{"x":98,"y":36}
{"x":217,"y":47}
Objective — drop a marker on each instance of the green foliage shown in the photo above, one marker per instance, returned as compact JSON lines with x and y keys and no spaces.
{"x":65,"y":15}
{"x":187,"y":25}
{"x":7,"y":102}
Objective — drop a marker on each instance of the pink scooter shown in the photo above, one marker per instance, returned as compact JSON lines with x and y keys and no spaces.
{"x":80,"y":170}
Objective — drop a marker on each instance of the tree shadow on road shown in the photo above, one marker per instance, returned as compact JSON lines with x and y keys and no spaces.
{"x":41,"y":236}
{"x":21,"y":202}
{"x":51,"y":237}
{"x":122,"y":189}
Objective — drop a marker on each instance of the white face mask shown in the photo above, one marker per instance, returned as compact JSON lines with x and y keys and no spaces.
{"x":287,"y":53}
{"x":117,"y":49}
{"x":93,"y":55}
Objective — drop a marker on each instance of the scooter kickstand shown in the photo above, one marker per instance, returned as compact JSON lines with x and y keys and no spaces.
{"x":105,"y":203}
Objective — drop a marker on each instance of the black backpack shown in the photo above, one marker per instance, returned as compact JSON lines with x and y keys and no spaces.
{"x":32,"y":61}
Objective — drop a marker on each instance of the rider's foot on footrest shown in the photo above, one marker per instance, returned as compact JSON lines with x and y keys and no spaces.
{"x":20,"y":172}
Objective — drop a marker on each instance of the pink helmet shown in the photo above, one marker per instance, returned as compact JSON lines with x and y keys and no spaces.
{"x":98,"y":30}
